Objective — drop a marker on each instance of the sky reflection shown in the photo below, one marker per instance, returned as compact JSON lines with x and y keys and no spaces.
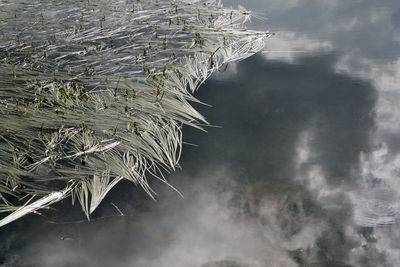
{"x":303,"y":170}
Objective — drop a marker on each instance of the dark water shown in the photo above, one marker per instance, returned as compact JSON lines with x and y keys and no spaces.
{"x":302,"y":169}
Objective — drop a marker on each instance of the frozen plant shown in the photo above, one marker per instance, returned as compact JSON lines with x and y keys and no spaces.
{"x":93,"y":92}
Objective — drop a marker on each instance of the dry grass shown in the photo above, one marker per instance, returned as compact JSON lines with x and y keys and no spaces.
{"x":92,"y":92}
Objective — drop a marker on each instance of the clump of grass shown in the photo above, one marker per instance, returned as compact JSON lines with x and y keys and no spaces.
{"x":93,"y":92}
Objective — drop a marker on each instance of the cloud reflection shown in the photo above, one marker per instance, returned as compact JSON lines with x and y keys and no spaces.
{"x":307,"y":139}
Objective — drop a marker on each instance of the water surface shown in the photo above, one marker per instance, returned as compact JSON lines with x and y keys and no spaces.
{"x":302,"y":169}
